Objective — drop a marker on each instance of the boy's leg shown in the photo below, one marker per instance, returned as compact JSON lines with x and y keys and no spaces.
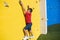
{"x":25,"y":30}
{"x":30,"y":33}
{"x":25,"y":34}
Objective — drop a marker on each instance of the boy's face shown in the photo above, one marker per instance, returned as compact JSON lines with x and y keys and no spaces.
{"x":28,"y":11}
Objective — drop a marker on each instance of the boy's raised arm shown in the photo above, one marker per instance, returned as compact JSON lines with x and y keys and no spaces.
{"x":23,"y":9}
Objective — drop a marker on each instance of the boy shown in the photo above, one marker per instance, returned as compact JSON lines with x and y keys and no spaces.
{"x":27,"y":28}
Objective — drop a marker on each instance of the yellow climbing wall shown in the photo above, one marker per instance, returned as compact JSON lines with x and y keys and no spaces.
{"x":12,"y":20}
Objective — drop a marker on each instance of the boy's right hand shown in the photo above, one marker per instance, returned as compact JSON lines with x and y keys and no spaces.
{"x":20,"y":2}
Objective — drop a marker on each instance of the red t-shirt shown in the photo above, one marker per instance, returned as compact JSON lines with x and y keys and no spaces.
{"x":28,"y":17}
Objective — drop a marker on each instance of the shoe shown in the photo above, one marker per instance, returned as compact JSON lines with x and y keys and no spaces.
{"x":26,"y":38}
{"x":31,"y":36}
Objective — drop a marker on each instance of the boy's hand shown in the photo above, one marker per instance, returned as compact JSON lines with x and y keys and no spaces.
{"x":22,"y":6}
{"x":20,"y":2}
{"x":28,"y":6}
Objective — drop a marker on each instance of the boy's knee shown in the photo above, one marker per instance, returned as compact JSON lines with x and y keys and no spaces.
{"x":23,"y":29}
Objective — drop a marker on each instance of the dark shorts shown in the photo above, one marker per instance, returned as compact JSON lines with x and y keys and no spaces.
{"x":28,"y":26}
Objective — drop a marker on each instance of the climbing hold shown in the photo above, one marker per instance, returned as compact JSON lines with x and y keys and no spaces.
{"x":33,"y":8}
{"x":36,"y":1}
{"x":6,"y":4}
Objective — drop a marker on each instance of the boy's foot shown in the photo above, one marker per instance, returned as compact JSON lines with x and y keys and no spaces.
{"x":26,"y":38}
{"x":31,"y":36}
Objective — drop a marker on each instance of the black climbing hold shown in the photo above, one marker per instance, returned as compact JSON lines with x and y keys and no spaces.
{"x":36,"y":1}
{"x":6,"y":4}
{"x":33,"y":8}
{"x":28,"y":6}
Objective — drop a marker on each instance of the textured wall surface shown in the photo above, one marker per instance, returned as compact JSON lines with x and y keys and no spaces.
{"x":12,"y":20}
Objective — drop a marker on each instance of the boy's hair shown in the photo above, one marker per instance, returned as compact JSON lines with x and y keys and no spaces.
{"x":30,"y":9}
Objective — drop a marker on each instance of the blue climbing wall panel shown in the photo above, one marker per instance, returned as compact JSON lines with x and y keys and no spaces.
{"x":53,"y":12}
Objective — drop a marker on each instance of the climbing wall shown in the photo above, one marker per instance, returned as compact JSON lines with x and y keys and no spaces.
{"x":12,"y":20}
